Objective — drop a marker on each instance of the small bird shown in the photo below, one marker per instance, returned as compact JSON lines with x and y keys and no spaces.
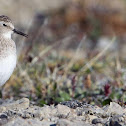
{"x":8,"y":55}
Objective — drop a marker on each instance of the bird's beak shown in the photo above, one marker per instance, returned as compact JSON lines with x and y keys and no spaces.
{"x":20,"y":33}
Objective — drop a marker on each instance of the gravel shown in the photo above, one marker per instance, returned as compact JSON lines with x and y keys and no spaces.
{"x":69,"y":113}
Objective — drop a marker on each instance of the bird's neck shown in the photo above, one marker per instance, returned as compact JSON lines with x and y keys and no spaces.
{"x":7,"y":35}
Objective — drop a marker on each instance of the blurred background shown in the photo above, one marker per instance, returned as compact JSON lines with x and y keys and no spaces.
{"x":76,"y":50}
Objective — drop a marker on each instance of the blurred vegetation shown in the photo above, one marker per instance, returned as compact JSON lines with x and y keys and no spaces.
{"x":74,"y":52}
{"x":57,"y":77}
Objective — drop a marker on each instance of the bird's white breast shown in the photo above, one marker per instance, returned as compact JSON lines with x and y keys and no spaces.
{"x":7,"y":66}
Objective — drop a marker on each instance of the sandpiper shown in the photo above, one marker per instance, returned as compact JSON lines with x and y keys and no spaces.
{"x":8,"y":55}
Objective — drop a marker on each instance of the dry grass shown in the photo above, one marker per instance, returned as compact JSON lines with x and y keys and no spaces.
{"x":51,"y":77}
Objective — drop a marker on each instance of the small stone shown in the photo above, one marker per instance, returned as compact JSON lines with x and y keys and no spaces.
{"x":95,"y":121}
{"x":91,"y":117}
{"x":66,"y":122}
{"x":72,"y":104}
{"x":3,"y":122}
{"x":3,"y":116}
{"x":3,"y":119}
{"x":63,"y":110}
{"x":48,"y":111}
{"x":28,"y":122}
{"x":38,"y":114}
{"x":11,"y":112}
{"x":115,"y":108}
{"x":54,"y":119}
{"x":26,"y":115}
{"x":53,"y":125}
{"x":19,"y":104}
{"x":114,"y":122}
{"x":2,"y":109}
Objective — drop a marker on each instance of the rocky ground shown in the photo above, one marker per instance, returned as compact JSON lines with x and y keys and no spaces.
{"x":70,"y":113}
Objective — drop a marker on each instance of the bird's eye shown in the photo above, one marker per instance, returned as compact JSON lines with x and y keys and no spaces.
{"x":4,"y":25}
